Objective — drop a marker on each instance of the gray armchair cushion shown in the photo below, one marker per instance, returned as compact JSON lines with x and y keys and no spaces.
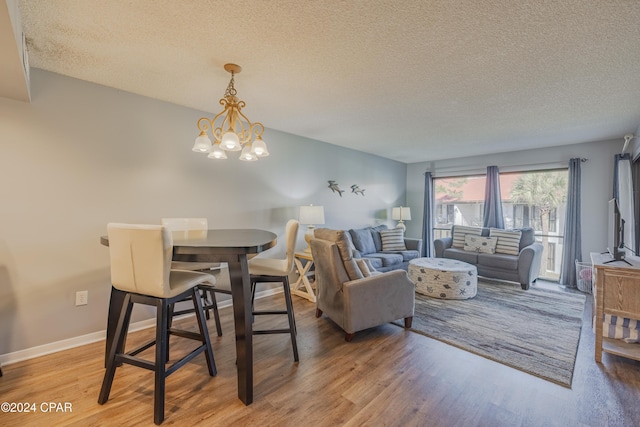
{"x":344,"y":247}
{"x":363,"y":240}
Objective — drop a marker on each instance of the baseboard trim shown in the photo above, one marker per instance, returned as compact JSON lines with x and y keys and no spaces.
{"x":54,"y":347}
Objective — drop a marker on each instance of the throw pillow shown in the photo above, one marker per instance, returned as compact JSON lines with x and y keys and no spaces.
{"x":393,"y":240}
{"x":485,"y":245}
{"x":508,"y":241}
{"x":459,"y":233}
{"x":364,"y":267}
{"x":363,"y":240}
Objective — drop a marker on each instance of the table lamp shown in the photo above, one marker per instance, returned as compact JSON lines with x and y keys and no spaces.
{"x":310,"y":215}
{"x":401,"y":214}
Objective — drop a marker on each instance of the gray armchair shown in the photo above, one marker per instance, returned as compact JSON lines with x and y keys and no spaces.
{"x":351,"y":292}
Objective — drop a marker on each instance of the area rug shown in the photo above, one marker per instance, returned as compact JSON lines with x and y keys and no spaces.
{"x":536,"y":331}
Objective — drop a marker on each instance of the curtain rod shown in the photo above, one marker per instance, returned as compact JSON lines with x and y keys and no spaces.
{"x":506,"y":168}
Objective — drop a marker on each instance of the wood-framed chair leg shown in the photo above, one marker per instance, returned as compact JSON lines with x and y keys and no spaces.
{"x":216,"y":313}
{"x":291,"y":330}
{"x":117,"y":347}
{"x":408,"y":321}
{"x":290,"y":315}
{"x":202,"y":327}
{"x":162,"y":350}
{"x":318,"y":313}
{"x":348,"y":337}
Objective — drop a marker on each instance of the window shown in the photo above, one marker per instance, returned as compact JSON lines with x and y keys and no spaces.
{"x":529,"y":199}
{"x":551,"y":257}
{"x":458,"y":200}
{"x":553,"y":222}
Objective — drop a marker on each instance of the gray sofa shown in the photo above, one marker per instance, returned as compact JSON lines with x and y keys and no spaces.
{"x":368,"y":244}
{"x":522,"y":268}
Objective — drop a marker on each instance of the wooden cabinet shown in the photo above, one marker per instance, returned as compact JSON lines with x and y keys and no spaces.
{"x":616,"y":291}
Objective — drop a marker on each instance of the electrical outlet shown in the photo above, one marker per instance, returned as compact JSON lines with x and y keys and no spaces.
{"x":82,"y":297}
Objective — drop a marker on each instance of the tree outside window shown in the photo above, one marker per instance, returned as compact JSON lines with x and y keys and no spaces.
{"x":543,"y":193}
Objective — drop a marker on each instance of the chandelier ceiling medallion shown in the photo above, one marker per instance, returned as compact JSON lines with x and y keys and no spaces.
{"x":231,"y":129}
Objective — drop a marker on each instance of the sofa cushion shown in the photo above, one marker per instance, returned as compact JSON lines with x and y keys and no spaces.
{"x":459,"y":233}
{"x":408,"y":255}
{"x":461,"y":255}
{"x":344,"y":248}
{"x":363,"y":240}
{"x":377,"y":238}
{"x":486,"y":245}
{"x":375,"y":262}
{"x":497,"y":260}
{"x":388,"y":259}
{"x":528,"y":237}
{"x":393,"y":240}
{"x":508,"y":241}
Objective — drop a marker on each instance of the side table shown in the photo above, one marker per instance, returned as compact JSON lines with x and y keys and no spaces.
{"x":302,"y":286}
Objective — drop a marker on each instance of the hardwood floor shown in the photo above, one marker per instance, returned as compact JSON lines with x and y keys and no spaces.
{"x":385,"y":377}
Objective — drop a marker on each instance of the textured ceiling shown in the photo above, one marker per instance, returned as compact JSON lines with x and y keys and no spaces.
{"x":410,"y":80}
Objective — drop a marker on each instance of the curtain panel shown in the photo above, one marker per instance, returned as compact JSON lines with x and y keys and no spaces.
{"x":493,"y":216}
{"x":427,"y":217}
{"x":572,"y":241}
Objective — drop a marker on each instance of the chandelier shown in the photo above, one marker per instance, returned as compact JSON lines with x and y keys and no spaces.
{"x":231,"y":129}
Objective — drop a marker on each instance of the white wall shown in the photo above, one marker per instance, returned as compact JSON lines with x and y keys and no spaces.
{"x":81,"y":155}
{"x":597,"y":181}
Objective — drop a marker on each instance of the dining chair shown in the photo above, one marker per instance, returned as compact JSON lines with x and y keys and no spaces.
{"x":277,"y":270}
{"x":141,"y":268}
{"x":192,"y":228}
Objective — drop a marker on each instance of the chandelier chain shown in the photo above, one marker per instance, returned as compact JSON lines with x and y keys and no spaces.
{"x":231,"y":90}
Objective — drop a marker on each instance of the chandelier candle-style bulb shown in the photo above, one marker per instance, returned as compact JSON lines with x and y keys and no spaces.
{"x":217,"y":152}
{"x":247,"y":155}
{"x":231,"y":129}
{"x":203,"y":143}
{"x":259,"y":148}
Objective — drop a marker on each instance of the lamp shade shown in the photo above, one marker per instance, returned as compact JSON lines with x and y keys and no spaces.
{"x":401,"y":213}
{"x":311,"y":214}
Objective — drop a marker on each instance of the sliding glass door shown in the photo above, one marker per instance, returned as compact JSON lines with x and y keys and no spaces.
{"x":534,"y":199}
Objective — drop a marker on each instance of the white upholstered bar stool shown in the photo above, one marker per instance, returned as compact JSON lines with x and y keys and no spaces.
{"x":141,"y":267}
{"x":192,"y":228}
{"x":277,"y":270}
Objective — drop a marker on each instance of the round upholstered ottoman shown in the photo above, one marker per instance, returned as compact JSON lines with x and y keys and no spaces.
{"x":444,"y":278}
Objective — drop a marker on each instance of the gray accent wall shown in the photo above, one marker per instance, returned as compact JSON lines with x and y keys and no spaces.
{"x":81,"y":155}
{"x":597,"y":181}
